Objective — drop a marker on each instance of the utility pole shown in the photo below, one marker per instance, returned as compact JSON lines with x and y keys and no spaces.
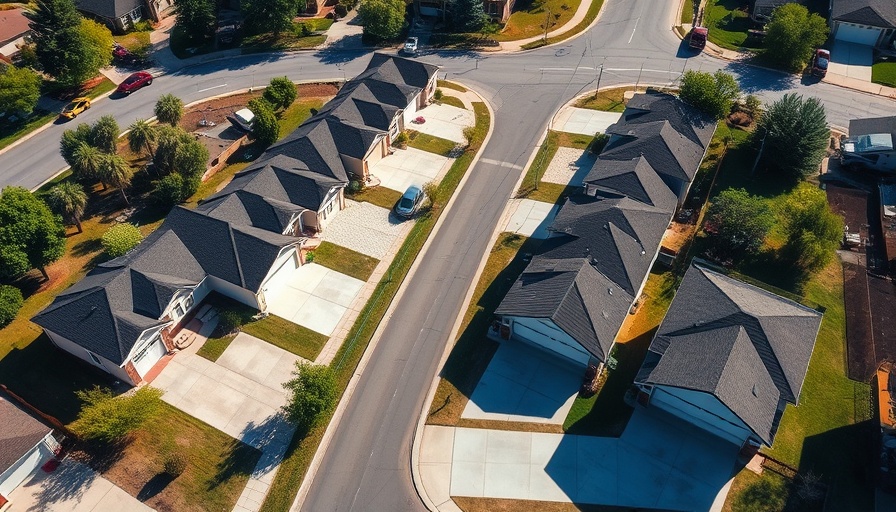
{"x":599,"y":74}
{"x":547,"y":25}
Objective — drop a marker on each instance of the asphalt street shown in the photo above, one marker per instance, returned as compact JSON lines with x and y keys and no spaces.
{"x":367,"y":465}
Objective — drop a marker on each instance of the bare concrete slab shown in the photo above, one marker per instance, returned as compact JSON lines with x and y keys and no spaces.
{"x":530,"y":218}
{"x":313,"y":296}
{"x":445,"y":121}
{"x":584,"y":121}
{"x":411,"y":166}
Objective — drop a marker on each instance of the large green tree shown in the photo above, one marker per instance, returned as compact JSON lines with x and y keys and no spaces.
{"x":72,"y":139}
{"x":86,"y":163}
{"x":280,"y":93}
{"x":265,"y":128}
{"x":169,"y":109}
{"x":116,"y":172}
{"x":268,"y":15}
{"x":382,"y":19}
{"x":55,"y":25}
{"x":94,"y":52}
{"x":108,"y":418}
{"x":195,"y":17}
{"x":31,"y":236}
{"x":141,"y":136}
{"x":813,"y":230}
{"x":19,"y":89}
{"x":739,"y":222}
{"x":312,"y":393}
{"x":792,"y":33}
{"x":796,"y":135}
{"x":69,"y":200}
{"x":468,"y":15}
{"x":104,"y":135}
{"x":713,"y":93}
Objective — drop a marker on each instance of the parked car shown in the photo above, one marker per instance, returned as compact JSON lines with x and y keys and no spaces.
{"x":697,"y":39}
{"x":820,"y":62}
{"x":410,"y":46}
{"x":410,"y":202}
{"x":134,"y":82}
{"x":242,"y":119}
{"x":75,"y":107}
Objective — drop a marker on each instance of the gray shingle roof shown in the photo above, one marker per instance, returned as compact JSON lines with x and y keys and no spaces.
{"x":748,"y":347}
{"x":578,"y":299}
{"x":399,"y":70}
{"x":108,"y":8}
{"x":876,"y":13}
{"x":872,"y":125}
{"x":632,"y":178}
{"x":19,"y":432}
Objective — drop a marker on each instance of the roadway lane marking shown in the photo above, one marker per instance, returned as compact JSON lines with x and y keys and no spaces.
{"x":210,"y":88}
{"x":500,"y":163}
{"x":633,"y":30}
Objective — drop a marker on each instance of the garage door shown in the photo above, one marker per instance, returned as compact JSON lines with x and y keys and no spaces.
{"x":857,"y":34}
{"x":148,"y":356}
{"x":281,"y":276}
{"x":539,"y":340}
{"x":20,"y":471}
{"x":683,"y":410}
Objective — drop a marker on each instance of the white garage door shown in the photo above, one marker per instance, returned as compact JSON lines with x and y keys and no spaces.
{"x":683,"y":410}
{"x":148,"y":356}
{"x":17,"y":474}
{"x":281,"y":276}
{"x":857,"y":34}
{"x":539,"y":340}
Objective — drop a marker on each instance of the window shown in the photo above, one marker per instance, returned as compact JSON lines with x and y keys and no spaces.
{"x":188,"y":302}
{"x":93,"y":358}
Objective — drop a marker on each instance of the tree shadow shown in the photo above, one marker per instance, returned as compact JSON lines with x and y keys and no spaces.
{"x":154,"y":486}
{"x":260,"y":450}
{"x":343,"y":56}
{"x":753,"y":79}
{"x":844,"y":459}
{"x":67,"y":482}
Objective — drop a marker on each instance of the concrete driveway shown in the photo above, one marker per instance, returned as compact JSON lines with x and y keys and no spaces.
{"x":314,"y":296}
{"x":584,"y":121}
{"x":72,"y":487}
{"x":411,"y":166}
{"x":529,"y":218}
{"x":445,"y":121}
{"x":852,"y":60}
{"x":523,"y":383}
{"x":365,"y":228}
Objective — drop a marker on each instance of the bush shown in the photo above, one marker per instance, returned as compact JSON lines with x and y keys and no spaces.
{"x":10,"y":303}
{"x":120,"y":239}
{"x":309,"y":256}
{"x":175,"y":464}
{"x":438,"y":94}
{"x":169,"y":190}
{"x":469,"y":134}
{"x":431,"y":190}
{"x":312,"y":392}
{"x":281,"y":92}
{"x":265,"y":128}
{"x":228,"y":321}
{"x":714,"y":93}
{"x":302,"y":30}
{"x":105,"y":417}
{"x":340,"y":10}
{"x":401,"y":140}
{"x":355,"y":186}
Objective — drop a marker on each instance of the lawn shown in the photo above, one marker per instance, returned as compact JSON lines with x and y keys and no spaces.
{"x":687,"y":11}
{"x":351,"y":263}
{"x":728,"y":22}
{"x":380,"y":196}
{"x":296,"y":39}
{"x":445,"y":84}
{"x":218,"y":466}
{"x":590,"y":16}
{"x":532,"y":187}
{"x":884,"y":73}
{"x":302,"y":448}
{"x":529,"y":16}
{"x":184,"y":48}
{"x":430,"y":143}
{"x":451,"y":100}
{"x":608,"y":100}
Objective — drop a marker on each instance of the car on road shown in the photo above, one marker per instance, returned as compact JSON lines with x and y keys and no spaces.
{"x":820,"y":62}
{"x":410,"y":46}
{"x":75,"y":107}
{"x":410,"y":202}
{"x":134,"y":82}
{"x":697,"y":38}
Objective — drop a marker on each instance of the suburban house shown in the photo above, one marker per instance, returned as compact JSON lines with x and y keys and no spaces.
{"x":865,"y":22}
{"x":575,"y":293}
{"x":355,"y":129}
{"x":25,"y":445}
{"x":762,"y":9}
{"x":13,"y":31}
{"x":670,"y":135}
{"x":728,"y":357}
{"x":870,"y":144}
{"x":120,"y":15}
{"x":243,"y":242}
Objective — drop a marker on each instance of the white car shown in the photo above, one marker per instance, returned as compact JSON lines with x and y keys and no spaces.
{"x":242,"y":119}
{"x":410,"y":46}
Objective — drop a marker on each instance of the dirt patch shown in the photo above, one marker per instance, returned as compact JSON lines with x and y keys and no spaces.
{"x":860,"y":356}
{"x":677,"y":235}
{"x":218,"y":109}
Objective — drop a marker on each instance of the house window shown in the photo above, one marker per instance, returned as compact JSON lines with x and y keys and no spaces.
{"x":188,"y":302}
{"x":93,"y":358}
{"x":177,"y":312}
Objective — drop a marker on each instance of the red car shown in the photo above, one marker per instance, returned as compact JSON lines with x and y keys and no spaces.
{"x":820,"y":62}
{"x":134,"y":82}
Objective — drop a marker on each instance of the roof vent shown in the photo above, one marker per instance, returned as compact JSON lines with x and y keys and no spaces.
{"x":610,"y":290}
{"x":643,"y":252}
{"x":606,"y":315}
{"x":755,"y":391}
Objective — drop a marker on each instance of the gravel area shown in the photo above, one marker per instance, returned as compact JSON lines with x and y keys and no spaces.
{"x":365,"y":228}
{"x":569,"y":166}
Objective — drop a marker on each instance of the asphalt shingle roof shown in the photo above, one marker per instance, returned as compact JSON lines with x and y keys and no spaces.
{"x":748,"y":347}
{"x":108,"y":8}
{"x":873,"y":125}
{"x":19,"y":432}
{"x":632,"y":178}
{"x":876,"y":13}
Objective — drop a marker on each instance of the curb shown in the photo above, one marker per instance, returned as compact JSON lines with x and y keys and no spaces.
{"x":368,"y":352}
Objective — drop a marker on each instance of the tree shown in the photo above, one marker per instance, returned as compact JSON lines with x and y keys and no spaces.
{"x":87,"y":163}
{"x":195,"y":17}
{"x":69,"y":200}
{"x":116,"y":172}
{"x":10,"y":303}
{"x":71,"y":141}
{"x":104,"y":135}
{"x":169,"y":139}
{"x":714,"y":93}
{"x":19,"y":89}
{"x":265,"y":128}
{"x":469,"y":15}
{"x":30,"y":235}
{"x":813,"y":230}
{"x":55,"y":25}
{"x":105,"y":417}
{"x":268,"y":15}
{"x":169,"y":109}
{"x":280,"y":93}
{"x":792,"y":34}
{"x":796,"y":135}
{"x":141,"y":135}
{"x":312,"y":392}
{"x":169,"y":190}
{"x":94,"y":52}
{"x":191,"y":159}
{"x":121,"y":238}
{"x":739,"y":222}
{"x":382,"y":19}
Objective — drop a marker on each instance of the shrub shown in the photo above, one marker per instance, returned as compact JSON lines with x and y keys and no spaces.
{"x":281,"y":92}
{"x":469,"y":135}
{"x":228,"y":321}
{"x":302,"y":29}
{"x":120,"y":239}
{"x":355,"y":186}
{"x":105,"y":417}
{"x":309,"y":256}
{"x":401,"y":140}
{"x":175,"y":464}
{"x":169,"y":190}
{"x":312,"y":392}
{"x":438,"y":94}
{"x":431,"y":190}
{"x":10,"y":303}
{"x":340,"y":10}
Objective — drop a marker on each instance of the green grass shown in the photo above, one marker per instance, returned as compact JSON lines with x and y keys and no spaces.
{"x":296,"y":114}
{"x":532,"y":187}
{"x":687,"y":11}
{"x":135,"y":41}
{"x":291,"y":337}
{"x":291,"y":40}
{"x":180,"y":43}
{"x":451,"y":100}
{"x":884,"y":73}
{"x":302,"y":448}
{"x":590,"y":16}
{"x":608,"y":100}
{"x":727,"y":23}
{"x":445,"y":84}
{"x":430,"y":143}
{"x":529,"y":16}
{"x":349,"y":262}
{"x":379,"y":196}
{"x":101,"y":88}
{"x":214,"y":347}
{"x":37,"y":119}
